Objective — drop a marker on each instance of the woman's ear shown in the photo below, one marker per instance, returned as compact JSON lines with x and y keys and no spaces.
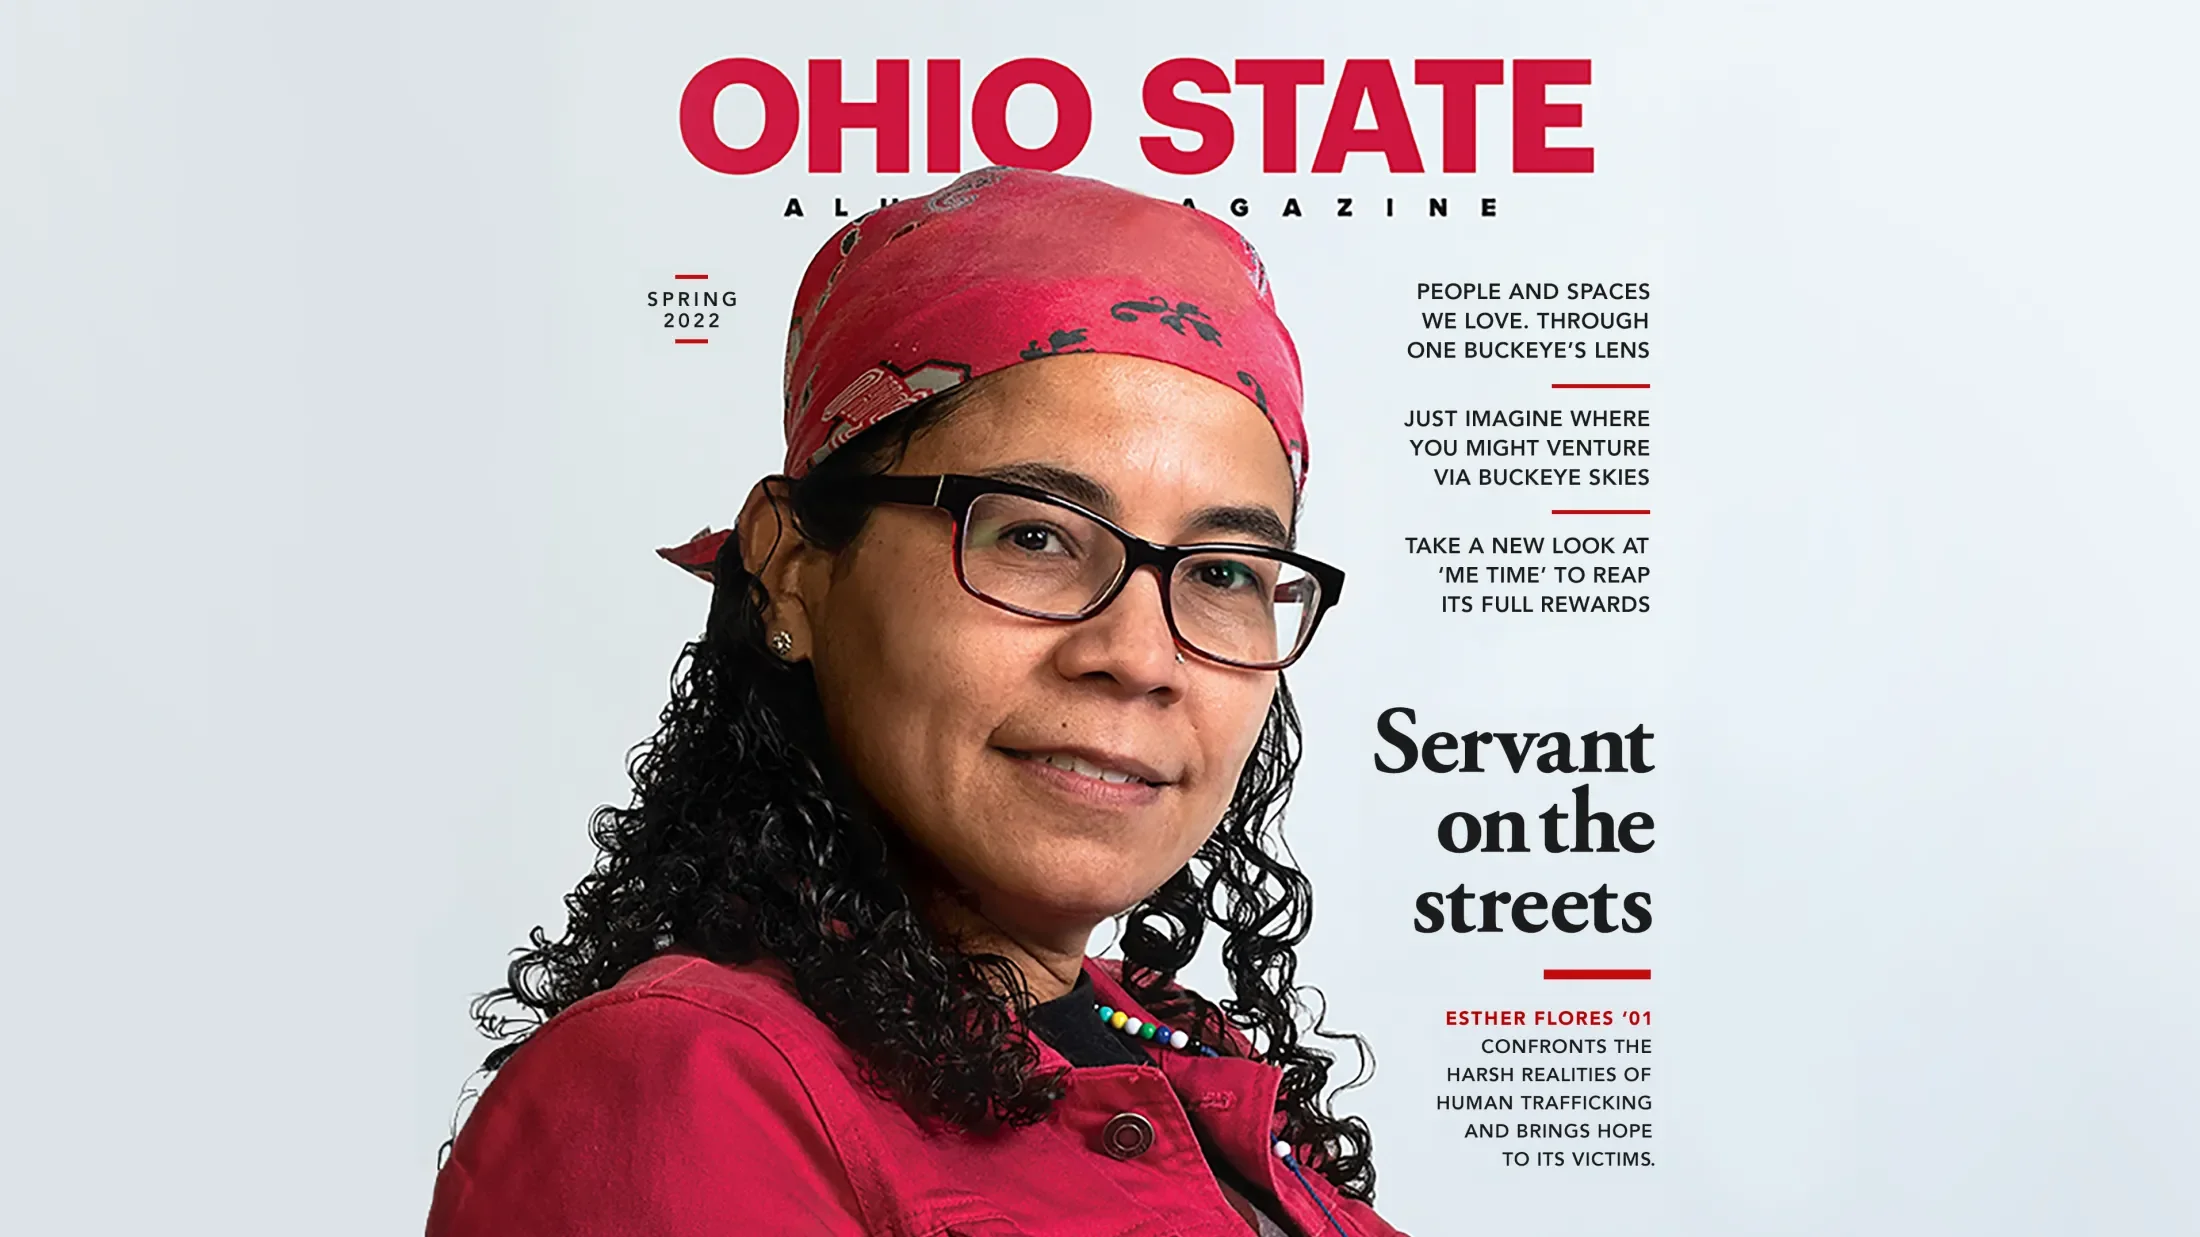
{"x":775,"y":553}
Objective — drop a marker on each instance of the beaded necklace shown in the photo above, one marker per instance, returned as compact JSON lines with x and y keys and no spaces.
{"x":1138,"y":1028}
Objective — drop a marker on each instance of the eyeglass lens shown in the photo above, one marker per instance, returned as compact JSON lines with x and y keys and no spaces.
{"x":1052,"y":562}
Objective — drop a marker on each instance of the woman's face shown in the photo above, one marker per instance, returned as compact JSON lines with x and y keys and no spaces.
{"x":958,"y":717}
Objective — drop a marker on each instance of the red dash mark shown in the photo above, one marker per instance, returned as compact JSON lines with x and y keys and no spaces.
{"x":1600,"y":386}
{"x":691,"y":341}
{"x":1593,"y":973}
{"x":1600,"y":511}
{"x":691,"y":276}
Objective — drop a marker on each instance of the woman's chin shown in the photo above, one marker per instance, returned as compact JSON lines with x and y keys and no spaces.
{"x":1062,"y":902}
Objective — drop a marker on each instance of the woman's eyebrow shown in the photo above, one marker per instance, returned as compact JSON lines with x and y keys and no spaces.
{"x":1074,"y":486}
{"x":1257,"y":522}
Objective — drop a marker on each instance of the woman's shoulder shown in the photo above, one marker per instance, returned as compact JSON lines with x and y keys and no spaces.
{"x":685,"y":1004}
{"x":684,"y":1086}
{"x":761,"y":991}
{"x":678,"y":1020}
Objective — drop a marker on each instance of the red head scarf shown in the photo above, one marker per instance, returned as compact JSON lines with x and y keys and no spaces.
{"x":1009,"y":265}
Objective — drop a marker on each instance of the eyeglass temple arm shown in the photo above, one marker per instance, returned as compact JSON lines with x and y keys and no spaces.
{"x":890,"y":487}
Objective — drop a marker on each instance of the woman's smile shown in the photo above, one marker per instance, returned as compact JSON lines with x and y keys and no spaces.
{"x":1090,"y":776}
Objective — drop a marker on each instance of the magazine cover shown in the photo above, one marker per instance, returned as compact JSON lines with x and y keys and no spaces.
{"x":1208,"y":619}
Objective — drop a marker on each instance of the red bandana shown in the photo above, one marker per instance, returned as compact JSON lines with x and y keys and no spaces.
{"x":1009,"y":265}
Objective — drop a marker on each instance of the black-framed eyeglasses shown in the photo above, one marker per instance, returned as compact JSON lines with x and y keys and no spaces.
{"x":1040,"y":555}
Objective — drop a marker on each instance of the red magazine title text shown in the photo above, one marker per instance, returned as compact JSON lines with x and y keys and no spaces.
{"x":1366,"y":114}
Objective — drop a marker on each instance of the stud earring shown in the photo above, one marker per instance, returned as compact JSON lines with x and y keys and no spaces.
{"x":781,"y":644}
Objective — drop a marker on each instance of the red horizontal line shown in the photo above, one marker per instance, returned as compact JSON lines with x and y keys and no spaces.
{"x":1596,"y":973}
{"x":1600,"y":386}
{"x":691,"y":276}
{"x":691,"y":341}
{"x":1600,"y":511}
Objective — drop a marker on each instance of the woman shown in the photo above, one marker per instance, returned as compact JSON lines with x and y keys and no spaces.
{"x":995,"y":661}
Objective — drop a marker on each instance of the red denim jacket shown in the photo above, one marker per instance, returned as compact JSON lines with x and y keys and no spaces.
{"x":694,"y":1098}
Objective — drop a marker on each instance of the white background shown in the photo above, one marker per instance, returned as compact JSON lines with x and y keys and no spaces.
{"x":337,"y":439}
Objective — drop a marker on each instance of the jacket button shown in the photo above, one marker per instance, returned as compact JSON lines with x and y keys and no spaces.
{"x":1126,"y":1135}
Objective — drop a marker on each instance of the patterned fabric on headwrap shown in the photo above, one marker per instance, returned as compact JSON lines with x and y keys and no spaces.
{"x":1008,"y":265}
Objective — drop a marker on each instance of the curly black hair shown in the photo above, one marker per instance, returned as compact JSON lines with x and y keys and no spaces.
{"x":746,"y":837}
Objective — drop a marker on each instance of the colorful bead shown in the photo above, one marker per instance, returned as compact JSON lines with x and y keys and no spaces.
{"x":1142,"y":1029}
